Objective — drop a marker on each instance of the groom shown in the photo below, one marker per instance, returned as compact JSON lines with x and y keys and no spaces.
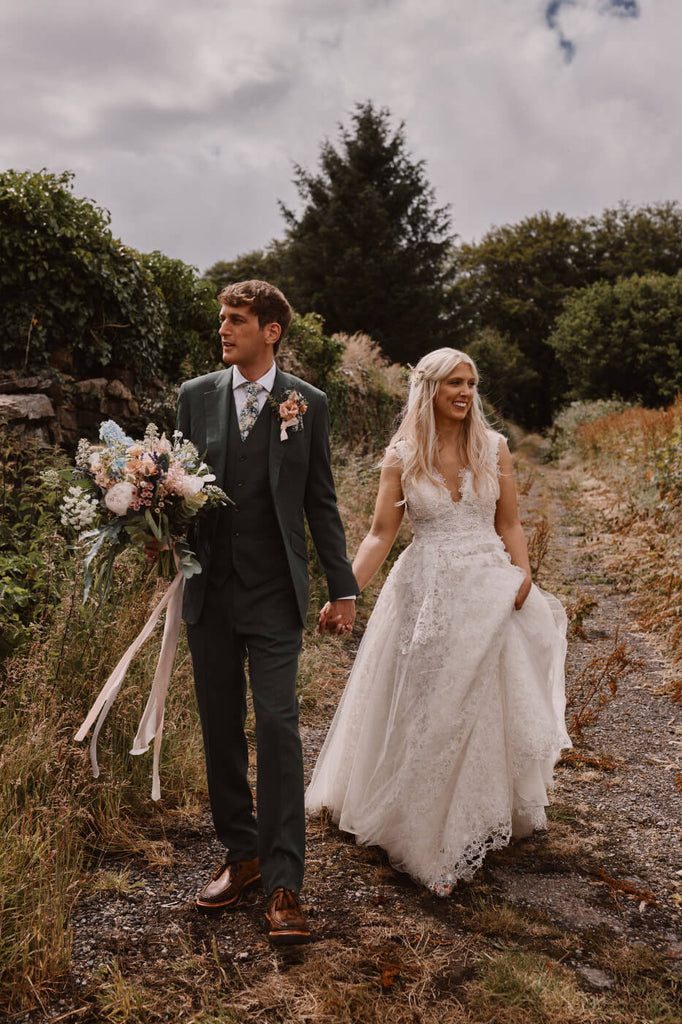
{"x":266,"y":436}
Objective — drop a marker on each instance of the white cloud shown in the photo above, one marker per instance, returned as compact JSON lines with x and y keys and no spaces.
{"x":184,"y":117}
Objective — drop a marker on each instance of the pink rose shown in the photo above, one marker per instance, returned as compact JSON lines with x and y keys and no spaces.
{"x":148,"y":466}
{"x":120,"y":497}
{"x":288,"y":410}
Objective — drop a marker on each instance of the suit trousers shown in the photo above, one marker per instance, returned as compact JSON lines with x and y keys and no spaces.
{"x":258,"y":627}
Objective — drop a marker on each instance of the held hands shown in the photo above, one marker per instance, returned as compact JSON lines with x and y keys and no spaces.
{"x":523,"y":592}
{"x":337,"y":617}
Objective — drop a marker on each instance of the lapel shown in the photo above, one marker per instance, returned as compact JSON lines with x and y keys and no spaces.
{"x":218,"y":409}
{"x":276,"y":453}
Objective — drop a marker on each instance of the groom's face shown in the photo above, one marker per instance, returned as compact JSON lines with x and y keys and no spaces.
{"x":245,"y":343}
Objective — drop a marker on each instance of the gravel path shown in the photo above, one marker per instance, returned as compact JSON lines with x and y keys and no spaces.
{"x":620,"y":798}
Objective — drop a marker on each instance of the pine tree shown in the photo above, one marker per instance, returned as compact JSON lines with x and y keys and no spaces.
{"x":368,"y":251}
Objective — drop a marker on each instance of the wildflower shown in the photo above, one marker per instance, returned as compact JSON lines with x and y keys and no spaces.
{"x":51,"y":478}
{"x":78,"y":509}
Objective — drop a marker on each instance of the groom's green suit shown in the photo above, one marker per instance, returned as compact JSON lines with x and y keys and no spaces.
{"x":250,"y":602}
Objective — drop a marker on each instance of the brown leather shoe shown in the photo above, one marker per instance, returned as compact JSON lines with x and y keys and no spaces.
{"x":288,"y":926}
{"x":227,"y":884}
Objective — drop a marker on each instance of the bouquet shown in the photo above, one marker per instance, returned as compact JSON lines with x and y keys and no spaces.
{"x":143,"y":493}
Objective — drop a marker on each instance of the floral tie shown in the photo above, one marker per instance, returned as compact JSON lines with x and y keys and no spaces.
{"x":249,"y":413}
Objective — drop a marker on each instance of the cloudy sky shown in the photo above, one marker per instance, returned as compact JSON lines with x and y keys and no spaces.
{"x":184,"y":117}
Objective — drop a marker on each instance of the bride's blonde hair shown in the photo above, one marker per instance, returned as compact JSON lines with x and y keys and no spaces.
{"x":418,"y":426}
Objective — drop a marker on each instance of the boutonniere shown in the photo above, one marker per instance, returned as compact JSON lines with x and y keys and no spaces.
{"x":290,"y":408}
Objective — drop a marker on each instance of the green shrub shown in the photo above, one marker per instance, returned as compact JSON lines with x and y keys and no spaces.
{"x":35,"y":560}
{"x":508,"y":379}
{"x":624,"y":339}
{"x":318,"y":355}
{"x":72,"y":296}
{"x":190,"y":344}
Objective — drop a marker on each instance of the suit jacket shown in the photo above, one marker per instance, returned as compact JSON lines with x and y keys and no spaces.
{"x":300,"y":477}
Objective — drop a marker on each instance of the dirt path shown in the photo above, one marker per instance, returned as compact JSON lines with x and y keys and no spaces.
{"x":618,"y":802}
{"x":608,"y":869}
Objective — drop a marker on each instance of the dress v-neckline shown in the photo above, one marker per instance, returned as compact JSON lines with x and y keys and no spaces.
{"x":462,"y":473}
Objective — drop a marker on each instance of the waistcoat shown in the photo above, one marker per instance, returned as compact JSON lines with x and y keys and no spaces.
{"x":248,"y":541}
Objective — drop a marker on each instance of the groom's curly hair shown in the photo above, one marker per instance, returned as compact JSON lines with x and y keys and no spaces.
{"x":267,"y":302}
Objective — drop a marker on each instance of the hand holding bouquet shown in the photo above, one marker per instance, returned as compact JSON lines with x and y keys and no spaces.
{"x":144,"y":493}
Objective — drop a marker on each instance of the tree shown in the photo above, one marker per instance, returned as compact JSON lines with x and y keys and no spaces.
{"x":514,"y":282}
{"x":639,"y":240}
{"x":518,"y":277}
{"x":368,"y":249}
{"x":508,"y":381}
{"x":190,"y":343}
{"x":260,"y":264}
{"x":623,"y":339}
{"x":71,"y":295}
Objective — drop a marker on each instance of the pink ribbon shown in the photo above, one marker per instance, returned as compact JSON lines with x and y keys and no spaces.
{"x":283,"y":436}
{"x":151,"y":723}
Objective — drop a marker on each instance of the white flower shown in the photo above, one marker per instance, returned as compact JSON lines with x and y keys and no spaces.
{"x":51,"y":478}
{"x":119,"y":497}
{"x":191,"y":485}
{"x":78,"y":510}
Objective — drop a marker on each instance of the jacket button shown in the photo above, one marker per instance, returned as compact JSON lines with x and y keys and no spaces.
{"x":236,"y":533}
{"x":242,"y":458}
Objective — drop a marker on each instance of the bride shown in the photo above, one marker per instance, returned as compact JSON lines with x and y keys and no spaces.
{"x":444,"y":741}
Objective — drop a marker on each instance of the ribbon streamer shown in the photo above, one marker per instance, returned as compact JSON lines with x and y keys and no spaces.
{"x":151,"y":723}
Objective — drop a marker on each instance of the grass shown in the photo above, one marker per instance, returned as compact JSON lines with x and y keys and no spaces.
{"x":58,"y":821}
{"x":529,"y":987}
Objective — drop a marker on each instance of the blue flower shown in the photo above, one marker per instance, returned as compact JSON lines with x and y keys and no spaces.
{"x":111,"y":434}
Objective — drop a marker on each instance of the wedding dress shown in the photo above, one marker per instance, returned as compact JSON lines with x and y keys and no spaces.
{"x":444,"y":741}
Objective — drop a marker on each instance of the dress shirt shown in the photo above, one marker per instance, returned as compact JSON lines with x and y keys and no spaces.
{"x":239,"y":383}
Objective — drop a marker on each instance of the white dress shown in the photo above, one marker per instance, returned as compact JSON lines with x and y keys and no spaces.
{"x":445,"y":738}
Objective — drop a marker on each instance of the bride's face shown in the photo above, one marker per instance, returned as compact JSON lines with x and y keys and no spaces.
{"x":455,"y":394}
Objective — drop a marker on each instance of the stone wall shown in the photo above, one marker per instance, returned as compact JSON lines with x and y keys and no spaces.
{"x":60,"y":411}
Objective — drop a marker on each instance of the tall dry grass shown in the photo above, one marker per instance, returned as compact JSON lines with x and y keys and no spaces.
{"x":57,"y":821}
{"x":637,"y":454}
{"x":373,"y":389}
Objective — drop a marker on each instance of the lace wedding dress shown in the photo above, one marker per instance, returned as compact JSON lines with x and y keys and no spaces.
{"x":446,"y":735}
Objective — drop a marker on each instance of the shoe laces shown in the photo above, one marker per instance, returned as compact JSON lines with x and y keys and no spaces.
{"x":285,"y":899}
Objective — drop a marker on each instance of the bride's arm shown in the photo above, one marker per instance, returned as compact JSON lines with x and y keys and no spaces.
{"x":388,"y":514}
{"x":508,"y":524}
